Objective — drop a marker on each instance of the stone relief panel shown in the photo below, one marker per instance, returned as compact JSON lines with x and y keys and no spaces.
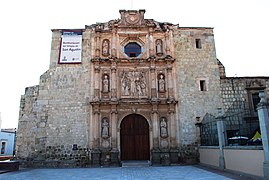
{"x":133,"y":84}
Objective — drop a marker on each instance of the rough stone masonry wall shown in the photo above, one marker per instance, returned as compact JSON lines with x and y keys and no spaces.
{"x":55,"y":114}
{"x":234,"y":92}
{"x":68,"y":108}
{"x":193,"y":65}
{"x":240,"y":114}
{"x":30,"y":126}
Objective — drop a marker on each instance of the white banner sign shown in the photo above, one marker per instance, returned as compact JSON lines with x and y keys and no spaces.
{"x":71,"y":47}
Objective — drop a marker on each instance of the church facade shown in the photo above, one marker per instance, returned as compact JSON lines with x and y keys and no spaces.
{"x":127,"y":89}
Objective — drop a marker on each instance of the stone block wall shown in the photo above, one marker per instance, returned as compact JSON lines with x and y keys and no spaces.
{"x":193,"y":65}
{"x":29,"y":139}
{"x":236,"y":91}
{"x":54,"y":115}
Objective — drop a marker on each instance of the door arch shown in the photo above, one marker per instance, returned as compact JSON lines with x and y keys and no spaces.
{"x":134,"y":138}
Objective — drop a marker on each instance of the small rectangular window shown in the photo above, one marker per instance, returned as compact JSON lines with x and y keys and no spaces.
{"x":255,"y":100}
{"x":3,"y":147}
{"x":202,"y":85}
{"x":198,"y":43}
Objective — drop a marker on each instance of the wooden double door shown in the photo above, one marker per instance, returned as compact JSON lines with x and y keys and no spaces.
{"x":134,"y":138}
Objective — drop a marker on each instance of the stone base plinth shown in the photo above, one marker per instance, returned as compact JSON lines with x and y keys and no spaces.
{"x":95,"y":158}
{"x":266,"y":169}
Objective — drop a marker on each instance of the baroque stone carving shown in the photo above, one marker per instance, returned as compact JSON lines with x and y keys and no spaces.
{"x":163,"y":127}
{"x":105,"y":83}
{"x":105,"y":128}
{"x":133,"y":84}
{"x":132,"y":17}
{"x":105,"y":47}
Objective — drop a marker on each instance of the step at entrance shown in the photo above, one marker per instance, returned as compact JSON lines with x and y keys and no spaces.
{"x":135,"y":163}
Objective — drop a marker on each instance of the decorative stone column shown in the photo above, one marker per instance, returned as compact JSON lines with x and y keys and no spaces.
{"x":221,"y":138}
{"x":168,"y":52}
{"x":151,"y":43}
{"x":170,"y":82}
{"x":113,"y":49}
{"x":171,"y":113}
{"x":263,"y":113}
{"x":155,"y":133}
{"x":153,"y":82}
{"x":155,"y":125}
{"x":113,"y":81}
{"x":97,"y":49}
{"x":114,"y":152}
{"x":96,"y":82}
{"x":95,"y":153}
{"x":173,"y":129}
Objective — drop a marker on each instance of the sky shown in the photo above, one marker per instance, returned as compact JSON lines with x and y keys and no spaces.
{"x":241,"y":31}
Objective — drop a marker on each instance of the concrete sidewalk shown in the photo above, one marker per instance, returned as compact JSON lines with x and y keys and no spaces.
{"x":148,"y":173}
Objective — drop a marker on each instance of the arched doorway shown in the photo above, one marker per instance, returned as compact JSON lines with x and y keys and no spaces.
{"x":134,"y":138}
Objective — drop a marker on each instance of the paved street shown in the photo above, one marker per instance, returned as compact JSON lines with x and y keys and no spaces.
{"x":170,"y":172}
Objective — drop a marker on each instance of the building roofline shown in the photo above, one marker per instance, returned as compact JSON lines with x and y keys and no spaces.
{"x":195,"y":27}
{"x":247,"y":77}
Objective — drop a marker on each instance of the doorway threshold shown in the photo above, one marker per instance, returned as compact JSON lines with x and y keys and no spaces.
{"x":135,"y":163}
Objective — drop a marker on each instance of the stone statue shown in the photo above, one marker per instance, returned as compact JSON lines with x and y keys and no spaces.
{"x":105,"y":47}
{"x":161,"y":83}
{"x":105,"y":84}
{"x":105,"y":129}
{"x":163,"y":127}
{"x":159,"y":47}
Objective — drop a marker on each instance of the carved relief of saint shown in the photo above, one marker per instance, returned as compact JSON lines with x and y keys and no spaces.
{"x":163,"y":127}
{"x":105,"y":128}
{"x":161,"y":83}
{"x":105,"y":83}
{"x":133,"y":84}
{"x":105,"y":47}
{"x":159,"y":47}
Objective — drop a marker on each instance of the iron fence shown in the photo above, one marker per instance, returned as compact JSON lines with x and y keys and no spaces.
{"x":241,"y":127}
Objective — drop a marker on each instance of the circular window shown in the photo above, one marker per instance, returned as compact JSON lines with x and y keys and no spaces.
{"x":132,"y":49}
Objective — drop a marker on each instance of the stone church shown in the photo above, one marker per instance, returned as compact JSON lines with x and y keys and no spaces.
{"x":127,"y":89}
